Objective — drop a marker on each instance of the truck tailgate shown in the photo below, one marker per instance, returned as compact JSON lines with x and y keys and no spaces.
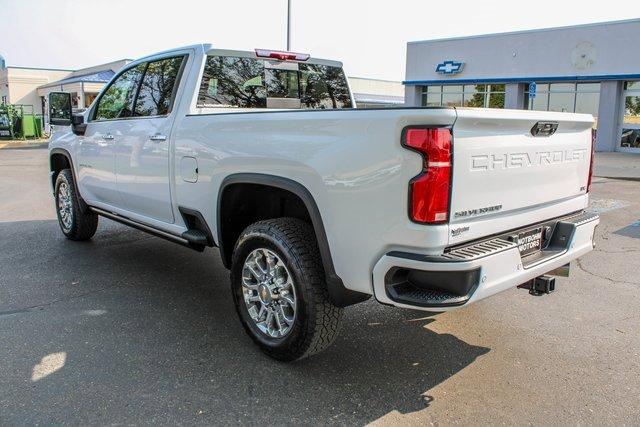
{"x":505,"y":177}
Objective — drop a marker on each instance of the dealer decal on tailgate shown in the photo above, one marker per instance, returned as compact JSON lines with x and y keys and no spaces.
{"x":530,"y":241}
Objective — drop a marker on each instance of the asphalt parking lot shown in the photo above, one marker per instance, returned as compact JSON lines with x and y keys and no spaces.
{"x":131,"y":329}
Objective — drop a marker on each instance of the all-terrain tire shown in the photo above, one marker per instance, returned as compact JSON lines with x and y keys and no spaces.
{"x":317,"y":320}
{"x":79,"y":222}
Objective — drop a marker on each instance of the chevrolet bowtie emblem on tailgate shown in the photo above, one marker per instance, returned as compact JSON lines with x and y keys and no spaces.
{"x":544,"y":128}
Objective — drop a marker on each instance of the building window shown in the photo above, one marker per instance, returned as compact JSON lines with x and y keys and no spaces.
{"x":562,"y":97}
{"x":630,"y":132}
{"x":480,"y":95}
{"x":632,"y":103}
{"x":567,"y":97}
{"x":89,"y":97}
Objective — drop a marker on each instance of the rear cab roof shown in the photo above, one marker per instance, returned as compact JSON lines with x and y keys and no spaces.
{"x":252,"y":54}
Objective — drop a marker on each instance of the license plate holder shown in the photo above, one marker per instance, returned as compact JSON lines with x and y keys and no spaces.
{"x":530,"y":241}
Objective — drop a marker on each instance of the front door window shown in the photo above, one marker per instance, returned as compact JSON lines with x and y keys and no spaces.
{"x":117,"y":101}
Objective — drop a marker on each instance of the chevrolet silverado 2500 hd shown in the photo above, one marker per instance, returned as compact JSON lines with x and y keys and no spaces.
{"x":314,"y":204}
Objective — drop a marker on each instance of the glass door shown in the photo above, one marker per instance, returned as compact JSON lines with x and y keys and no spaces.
{"x":630,"y":122}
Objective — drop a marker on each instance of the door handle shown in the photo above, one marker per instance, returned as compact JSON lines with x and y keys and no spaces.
{"x":158,"y":137}
{"x":107,"y":136}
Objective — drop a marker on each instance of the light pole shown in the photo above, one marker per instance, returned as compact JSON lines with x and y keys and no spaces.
{"x":288,"y":25}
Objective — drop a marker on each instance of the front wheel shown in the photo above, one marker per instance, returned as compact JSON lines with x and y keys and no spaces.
{"x":279,"y":289}
{"x":74,"y":223}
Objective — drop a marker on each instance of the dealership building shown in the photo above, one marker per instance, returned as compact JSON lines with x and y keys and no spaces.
{"x":30,"y":87}
{"x":581,"y":69}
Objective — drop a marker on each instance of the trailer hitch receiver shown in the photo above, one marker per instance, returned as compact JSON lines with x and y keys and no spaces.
{"x":540,"y":285}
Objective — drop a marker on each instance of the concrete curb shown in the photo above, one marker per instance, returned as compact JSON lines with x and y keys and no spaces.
{"x":23,"y":146}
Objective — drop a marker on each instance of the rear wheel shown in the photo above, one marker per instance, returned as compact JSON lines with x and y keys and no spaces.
{"x":280,"y":291}
{"x":74,"y":223}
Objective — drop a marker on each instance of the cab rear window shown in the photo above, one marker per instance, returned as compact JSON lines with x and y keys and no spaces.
{"x":235,"y":82}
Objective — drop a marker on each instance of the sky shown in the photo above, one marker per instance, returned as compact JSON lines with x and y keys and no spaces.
{"x":369,"y":37}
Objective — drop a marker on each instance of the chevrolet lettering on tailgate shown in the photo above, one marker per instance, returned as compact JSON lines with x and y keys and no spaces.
{"x":522,"y":160}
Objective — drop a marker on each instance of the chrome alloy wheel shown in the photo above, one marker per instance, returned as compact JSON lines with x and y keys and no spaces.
{"x":269,"y":294}
{"x":65,"y":206}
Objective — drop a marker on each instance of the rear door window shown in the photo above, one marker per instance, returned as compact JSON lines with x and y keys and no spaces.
{"x":232,"y":82}
{"x":157,"y":90}
{"x":236,"y":82}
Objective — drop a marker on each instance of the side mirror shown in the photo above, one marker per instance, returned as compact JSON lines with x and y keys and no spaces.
{"x":60,"y":108}
{"x":61,"y":113}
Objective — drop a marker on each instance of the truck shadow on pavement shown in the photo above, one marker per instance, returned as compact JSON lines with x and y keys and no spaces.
{"x":131,"y":329}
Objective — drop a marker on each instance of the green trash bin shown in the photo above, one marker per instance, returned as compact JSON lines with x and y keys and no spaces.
{"x":28,"y":126}
{"x":39,"y":126}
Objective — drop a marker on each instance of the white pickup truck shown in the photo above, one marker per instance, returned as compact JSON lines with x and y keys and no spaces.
{"x":314,"y":204}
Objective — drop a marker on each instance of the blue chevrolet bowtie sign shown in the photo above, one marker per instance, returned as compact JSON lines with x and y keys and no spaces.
{"x":449,"y":67}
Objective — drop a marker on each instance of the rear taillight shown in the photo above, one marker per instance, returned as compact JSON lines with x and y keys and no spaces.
{"x":593,"y":152}
{"x":429,"y":191}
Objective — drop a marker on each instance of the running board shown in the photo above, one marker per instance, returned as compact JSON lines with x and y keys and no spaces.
{"x":147,"y":229}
